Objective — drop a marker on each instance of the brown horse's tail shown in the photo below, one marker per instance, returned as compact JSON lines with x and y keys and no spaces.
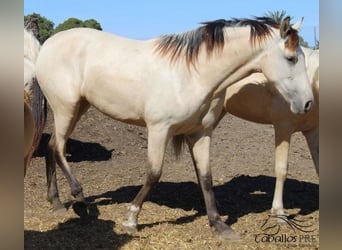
{"x":39,"y":111}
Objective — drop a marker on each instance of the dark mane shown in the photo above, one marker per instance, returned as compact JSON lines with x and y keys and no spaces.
{"x":211,"y":34}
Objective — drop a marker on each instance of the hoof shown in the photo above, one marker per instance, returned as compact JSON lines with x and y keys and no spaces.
{"x":280,"y":215}
{"x":129,"y":227}
{"x":225,"y":231}
{"x":60,"y":211}
{"x":229,"y":234}
{"x":58,"y":207}
{"x":282,"y":219}
{"x":79,"y":197}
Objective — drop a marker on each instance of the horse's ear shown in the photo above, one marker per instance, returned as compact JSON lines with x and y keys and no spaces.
{"x":285,"y":27}
{"x":297,"y":25}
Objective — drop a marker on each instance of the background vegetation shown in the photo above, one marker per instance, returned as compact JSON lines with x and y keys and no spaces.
{"x":47,"y":29}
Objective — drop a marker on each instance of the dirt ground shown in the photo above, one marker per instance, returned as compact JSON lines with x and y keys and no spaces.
{"x":109,"y":159}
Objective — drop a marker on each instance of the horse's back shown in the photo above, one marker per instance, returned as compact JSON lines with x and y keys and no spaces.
{"x":87,"y":42}
{"x":106,"y":70}
{"x":61,"y":62}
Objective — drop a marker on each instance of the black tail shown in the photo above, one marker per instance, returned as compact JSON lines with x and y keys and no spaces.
{"x":178,"y":145}
{"x":39,"y":111}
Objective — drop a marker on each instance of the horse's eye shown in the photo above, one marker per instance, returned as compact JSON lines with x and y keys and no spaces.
{"x":292,"y":59}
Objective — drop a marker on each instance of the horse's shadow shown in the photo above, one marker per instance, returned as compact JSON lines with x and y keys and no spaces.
{"x":77,"y":151}
{"x":75,"y":234}
{"x":238,"y":197}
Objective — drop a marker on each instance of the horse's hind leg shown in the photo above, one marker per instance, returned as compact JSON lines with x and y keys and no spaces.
{"x":50,"y":161}
{"x":64,"y":125}
{"x":199,"y":145}
{"x":157,"y":140}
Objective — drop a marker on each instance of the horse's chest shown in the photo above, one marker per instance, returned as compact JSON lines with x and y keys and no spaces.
{"x":205,"y":116}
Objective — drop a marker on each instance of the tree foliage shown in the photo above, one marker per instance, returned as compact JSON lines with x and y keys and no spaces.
{"x":44,"y":24}
{"x":276,"y":15}
{"x":74,"y":23}
{"x":279,"y":16}
{"x":92,"y":23}
{"x":46,"y":27}
{"x":303,"y":43}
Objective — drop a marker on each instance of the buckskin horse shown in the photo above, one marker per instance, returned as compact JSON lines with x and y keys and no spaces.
{"x":174,"y":85}
{"x":253,"y":99}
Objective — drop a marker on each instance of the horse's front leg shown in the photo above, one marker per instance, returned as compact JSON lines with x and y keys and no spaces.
{"x":157,"y":140}
{"x":282,"y":141}
{"x":199,"y":145}
{"x":312,"y":139}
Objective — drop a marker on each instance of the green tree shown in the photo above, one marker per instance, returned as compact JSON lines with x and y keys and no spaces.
{"x":75,"y":22}
{"x":316,"y":40}
{"x":46,"y":27}
{"x":276,"y":15}
{"x":44,"y":24}
{"x":303,"y":43}
{"x":279,"y":17}
{"x":316,"y":45}
{"x":92,"y":23}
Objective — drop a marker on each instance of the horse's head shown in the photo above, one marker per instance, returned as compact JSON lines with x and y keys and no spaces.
{"x":284,"y":64}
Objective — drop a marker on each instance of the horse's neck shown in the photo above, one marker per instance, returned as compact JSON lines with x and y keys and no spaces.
{"x":236,"y":61}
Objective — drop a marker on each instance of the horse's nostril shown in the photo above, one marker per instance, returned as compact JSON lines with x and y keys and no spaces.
{"x":308,"y":106}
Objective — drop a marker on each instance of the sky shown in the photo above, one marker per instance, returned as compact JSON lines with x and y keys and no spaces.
{"x":150,"y":18}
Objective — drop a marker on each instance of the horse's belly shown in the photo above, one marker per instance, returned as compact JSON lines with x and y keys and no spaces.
{"x":117,"y":103}
{"x":250,"y":102}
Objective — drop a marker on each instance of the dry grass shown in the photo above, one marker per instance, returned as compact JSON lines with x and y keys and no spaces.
{"x":108,"y":158}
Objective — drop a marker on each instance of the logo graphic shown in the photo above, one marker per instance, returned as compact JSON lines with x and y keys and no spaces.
{"x":291,"y":221}
{"x":273,"y":223}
